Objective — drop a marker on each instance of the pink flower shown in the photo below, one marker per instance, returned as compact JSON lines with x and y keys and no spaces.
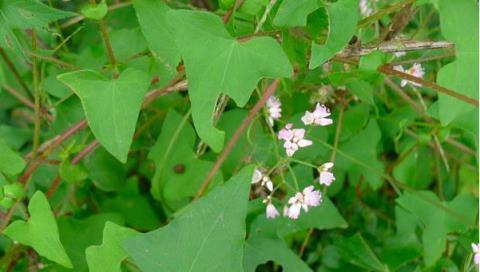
{"x":318,"y":117}
{"x":258,"y":176}
{"x":294,"y":139}
{"x":326,"y":176}
{"x":476,"y":251}
{"x":416,"y":70}
{"x":274,"y":109}
{"x":271,"y":211}
{"x":311,"y":197}
{"x":308,"y":198}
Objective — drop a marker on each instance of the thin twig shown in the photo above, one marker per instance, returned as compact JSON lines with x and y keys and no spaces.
{"x":395,"y":46}
{"x":26,"y":102}
{"x":388,"y":69}
{"x":36,"y":93}
{"x":15,"y":73}
{"x":390,"y":9}
{"x":108,"y":46}
{"x":228,"y":148}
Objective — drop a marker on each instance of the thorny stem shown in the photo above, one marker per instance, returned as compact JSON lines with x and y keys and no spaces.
{"x":228,"y":148}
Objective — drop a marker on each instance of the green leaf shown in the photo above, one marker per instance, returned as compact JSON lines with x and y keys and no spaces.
{"x":362,"y":90}
{"x":10,"y":162}
{"x":342,"y":18}
{"x":76,"y":235}
{"x":95,"y":11}
{"x":20,"y":14}
{"x":152,"y":16}
{"x":355,"y":250}
{"x":128,"y":202}
{"x":40,"y":231}
{"x":439,"y":218}
{"x":325,"y":216}
{"x":293,"y":13}
{"x":178,"y":173}
{"x":259,"y":250}
{"x":111,"y":106}
{"x":110,"y":253}
{"x":358,"y":156}
{"x":105,"y":171}
{"x":219,"y":64}
{"x":208,"y":235}
{"x":459,"y":24}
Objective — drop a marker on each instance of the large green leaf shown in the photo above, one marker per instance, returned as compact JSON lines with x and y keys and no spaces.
{"x":10,"y":162}
{"x":459,"y":23}
{"x":40,"y":231}
{"x":179,"y":173}
{"x":159,"y":35}
{"x":208,"y":235}
{"x":110,"y":254}
{"x":354,"y":249}
{"x":219,"y":64}
{"x":342,"y":18}
{"x":259,"y":250}
{"x":18,"y":14}
{"x":438,"y":219}
{"x":294,"y":12}
{"x":111,"y":106}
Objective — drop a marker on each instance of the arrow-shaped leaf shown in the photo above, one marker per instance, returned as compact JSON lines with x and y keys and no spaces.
{"x":111,"y":106}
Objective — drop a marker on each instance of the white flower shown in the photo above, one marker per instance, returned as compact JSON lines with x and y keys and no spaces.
{"x":326,"y":175}
{"x":270,"y":211}
{"x":308,"y":198}
{"x":274,"y":107}
{"x":400,"y":54}
{"x":365,"y":10}
{"x":476,"y":251}
{"x":318,"y":116}
{"x":294,"y":139}
{"x":265,"y":180}
{"x":416,"y":70}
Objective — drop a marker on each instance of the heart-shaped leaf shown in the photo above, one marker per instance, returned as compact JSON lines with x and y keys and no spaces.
{"x":111,"y":106}
{"x":40,"y":231}
{"x":219,"y":64}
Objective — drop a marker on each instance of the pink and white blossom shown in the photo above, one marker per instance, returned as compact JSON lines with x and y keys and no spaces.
{"x":259,"y":176}
{"x":476,"y":252}
{"x":416,"y":70}
{"x":318,"y":117}
{"x":270,"y":211}
{"x":274,"y":107}
{"x":302,"y":200}
{"x":294,"y":139}
{"x":326,"y":176}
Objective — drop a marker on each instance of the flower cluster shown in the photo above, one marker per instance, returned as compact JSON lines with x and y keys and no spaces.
{"x":416,"y":70}
{"x":294,"y":139}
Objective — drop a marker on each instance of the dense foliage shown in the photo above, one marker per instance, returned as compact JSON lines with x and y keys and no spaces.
{"x":239,"y":135}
